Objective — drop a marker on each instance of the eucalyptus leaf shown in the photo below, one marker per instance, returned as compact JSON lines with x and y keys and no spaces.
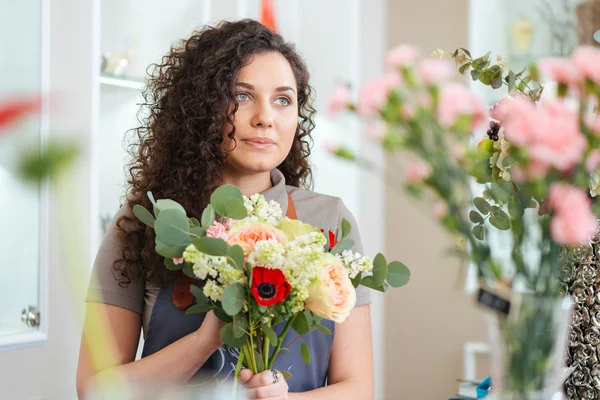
{"x":478,"y":232}
{"x":500,"y":221}
{"x":270,"y":333}
{"x":324,"y":329}
{"x":208,"y":216}
{"x":236,"y":253}
{"x":356,"y":280}
{"x":195,"y":221}
{"x":344,"y":244}
{"x":166,"y":204}
{"x":198,"y":308}
{"x":222,"y":194}
{"x":305,"y":352}
{"x":300,"y":324}
{"x":144,"y":215}
{"x":168,"y":251}
{"x":475,"y":74}
{"x":228,"y":337}
{"x":286,"y":375}
{"x":222,"y":315}
{"x":211,"y":246}
{"x":233,"y":299}
{"x":235,"y":209}
{"x":199,"y":295}
{"x":172,"y":227}
{"x":240,"y":325}
{"x":369,"y":282}
{"x":189,"y":271}
{"x":260,"y":364}
{"x":197,"y":231}
{"x":346,"y":228}
{"x":398,"y":274}
{"x":475,"y":217}
{"x":151,"y":197}
{"x":380,"y":269}
{"x":482,"y":205}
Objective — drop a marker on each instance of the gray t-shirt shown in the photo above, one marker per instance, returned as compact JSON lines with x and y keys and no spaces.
{"x":139,"y":296}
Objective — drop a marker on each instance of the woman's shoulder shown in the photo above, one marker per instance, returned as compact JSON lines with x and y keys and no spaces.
{"x":323,"y":207}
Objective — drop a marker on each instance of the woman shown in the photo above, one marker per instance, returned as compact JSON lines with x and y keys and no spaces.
{"x":232,"y":104}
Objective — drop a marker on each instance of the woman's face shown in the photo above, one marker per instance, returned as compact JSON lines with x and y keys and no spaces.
{"x":267,"y":117}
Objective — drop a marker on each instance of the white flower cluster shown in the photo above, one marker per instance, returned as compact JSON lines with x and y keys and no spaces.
{"x":356,"y":263}
{"x":268,"y":253}
{"x":312,"y":240}
{"x":258,"y":208}
{"x":205,"y":266}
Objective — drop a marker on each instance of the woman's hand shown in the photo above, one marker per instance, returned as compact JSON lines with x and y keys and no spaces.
{"x":209,"y":330}
{"x":266,"y":385}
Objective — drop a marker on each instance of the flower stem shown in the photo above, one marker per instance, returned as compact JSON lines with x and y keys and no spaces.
{"x":236,"y":377}
{"x":266,"y":344}
{"x":287,"y":327}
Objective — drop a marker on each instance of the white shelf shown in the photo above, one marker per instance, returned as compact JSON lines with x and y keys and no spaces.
{"x":122,"y":82}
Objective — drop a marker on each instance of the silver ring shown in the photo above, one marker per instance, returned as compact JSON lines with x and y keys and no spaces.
{"x":276,"y":376}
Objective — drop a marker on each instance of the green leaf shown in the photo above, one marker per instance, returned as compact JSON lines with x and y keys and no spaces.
{"x":463,"y":68}
{"x":240,"y":325}
{"x":346,"y":227}
{"x":270,"y":333}
{"x":398,"y":274}
{"x":168,"y":251}
{"x":324,"y":329}
{"x":208,"y":216}
{"x":195,"y":221}
{"x":501,"y":191}
{"x":233,"y":299}
{"x":532,"y":204}
{"x":151,"y":197}
{"x":467,"y":52}
{"x":144,"y":215}
{"x":500,"y":220}
{"x":196,"y":230}
{"x":236,"y":253}
{"x":380,"y":269}
{"x":286,"y":375}
{"x":511,"y":79}
{"x":300,"y":324}
{"x":172,"y":227}
{"x":211,"y":246}
{"x":475,"y":74}
{"x":222,"y":195}
{"x":475,"y":217}
{"x":235,"y":209}
{"x":369,"y":282}
{"x":189,"y":271}
{"x":478,"y":232}
{"x":199,"y":295}
{"x":482,"y":205}
{"x":344,"y":244}
{"x":222,"y":315}
{"x":305,"y":351}
{"x":356,"y":280}
{"x":228,"y":337}
{"x":260,"y":365}
{"x":198,"y":308}
{"x":166,"y":204}
{"x":171,"y":266}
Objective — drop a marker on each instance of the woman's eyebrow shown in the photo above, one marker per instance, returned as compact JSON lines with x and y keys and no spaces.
{"x":251,"y":87}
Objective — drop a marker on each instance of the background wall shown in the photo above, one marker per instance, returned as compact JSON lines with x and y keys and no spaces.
{"x":428,"y":321}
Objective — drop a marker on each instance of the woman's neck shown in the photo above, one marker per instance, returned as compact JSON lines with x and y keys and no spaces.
{"x":250,"y":183}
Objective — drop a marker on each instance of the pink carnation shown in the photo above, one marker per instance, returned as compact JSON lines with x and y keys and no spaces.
{"x":375,"y":94}
{"x":456,"y":101}
{"x":573,"y":222}
{"x":340,"y":99}
{"x":178,"y":261}
{"x":440,"y":210}
{"x":561,"y":70}
{"x":433,"y":70}
{"x":217,"y":230}
{"x":401,"y":56}
{"x":418,"y":171}
{"x":592,"y":121}
{"x":230,"y":222}
{"x":587,"y":59}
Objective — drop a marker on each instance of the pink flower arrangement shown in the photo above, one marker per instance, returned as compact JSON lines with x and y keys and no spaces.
{"x":418,"y":171}
{"x":573,"y":222}
{"x":376,"y":93}
{"x":401,"y":56}
{"x":340,"y":99}
{"x":457,"y":101}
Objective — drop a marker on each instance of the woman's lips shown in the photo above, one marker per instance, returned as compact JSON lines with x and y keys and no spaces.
{"x":259,"y":142}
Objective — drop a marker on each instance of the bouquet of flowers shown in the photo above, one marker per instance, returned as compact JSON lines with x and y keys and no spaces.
{"x":536,"y":167}
{"x":263,"y":273}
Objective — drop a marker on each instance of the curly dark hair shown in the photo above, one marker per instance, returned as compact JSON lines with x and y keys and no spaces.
{"x":176,"y":150}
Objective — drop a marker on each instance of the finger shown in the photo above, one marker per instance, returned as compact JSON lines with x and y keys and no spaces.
{"x":264,"y":378}
{"x":265,"y":392}
{"x":245,"y":376}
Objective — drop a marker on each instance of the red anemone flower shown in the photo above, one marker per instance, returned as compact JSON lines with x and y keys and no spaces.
{"x":269,"y":286}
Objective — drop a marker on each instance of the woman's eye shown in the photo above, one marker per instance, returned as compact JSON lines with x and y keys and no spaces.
{"x":242,"y":96}
{"x":283,"y":101}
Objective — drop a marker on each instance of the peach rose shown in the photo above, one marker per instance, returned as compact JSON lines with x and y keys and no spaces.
{"x":247,"y":233}
{"x":331,"y":295}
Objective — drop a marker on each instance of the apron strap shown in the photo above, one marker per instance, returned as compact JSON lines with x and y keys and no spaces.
{"x":182,"y":297}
